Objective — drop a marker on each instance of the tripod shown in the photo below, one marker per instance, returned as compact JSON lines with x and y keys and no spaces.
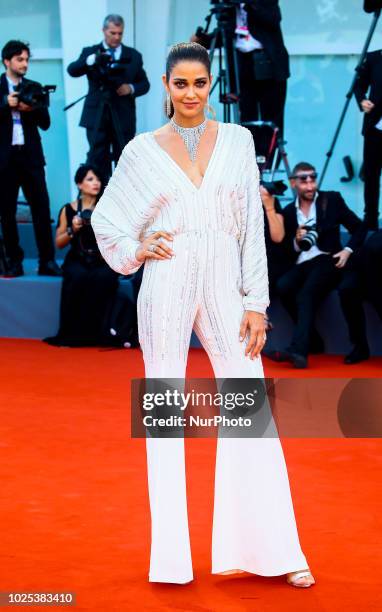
{"x":106,"y":117}
{"x":349,"y":95}
{"x":269,"y":163}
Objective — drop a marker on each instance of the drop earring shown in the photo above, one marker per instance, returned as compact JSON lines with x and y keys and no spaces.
{"x":168,"y":105}
{"x":210,"y":109}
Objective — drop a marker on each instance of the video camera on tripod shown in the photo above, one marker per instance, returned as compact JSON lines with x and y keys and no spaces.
{"x":108,"y":69}
{"x":34,"y":94}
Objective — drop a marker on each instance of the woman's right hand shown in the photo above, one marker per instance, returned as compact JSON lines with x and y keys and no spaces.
{"x":162,"y":251}
{"x":77,"y":223}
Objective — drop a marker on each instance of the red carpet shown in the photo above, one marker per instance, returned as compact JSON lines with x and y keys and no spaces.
{"x":75,"y":515}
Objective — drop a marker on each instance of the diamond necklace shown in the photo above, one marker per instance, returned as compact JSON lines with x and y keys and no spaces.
{"x":190,"y":136}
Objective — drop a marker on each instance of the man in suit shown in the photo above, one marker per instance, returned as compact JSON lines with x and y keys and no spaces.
{"x":369,"y":81}
{"x":109,"y":114}
{"x":318,"y":258}
{"x":22,"y":164}
{"x":362,"y":281}
{"x":263,"y":63}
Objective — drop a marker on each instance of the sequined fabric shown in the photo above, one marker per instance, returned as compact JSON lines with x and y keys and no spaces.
{"x":219,"y":269}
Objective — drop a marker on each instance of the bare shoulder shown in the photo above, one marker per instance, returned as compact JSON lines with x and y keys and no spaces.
{"x":164,"y":133}
{"x":213,"y":126}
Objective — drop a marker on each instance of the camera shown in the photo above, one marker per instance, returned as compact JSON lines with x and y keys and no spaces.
{"x":275,"y":188}
{"x":108,"y":69}
{"x":34,"y":94}
{"x":85,"y":215}
{"x":310,"y":238}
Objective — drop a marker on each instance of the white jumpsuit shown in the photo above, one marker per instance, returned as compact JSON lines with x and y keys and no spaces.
{"x":219,"y":268}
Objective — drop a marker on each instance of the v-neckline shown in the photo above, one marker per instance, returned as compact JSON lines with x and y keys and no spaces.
{"x":180,"y":170}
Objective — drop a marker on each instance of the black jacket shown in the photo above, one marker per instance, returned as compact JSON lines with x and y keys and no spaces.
{"x":264,"y":19}
{"x":331,"y":213}
{"x":132,"y":71}
{"x":370,"y":78}
{"x":31,"y":121}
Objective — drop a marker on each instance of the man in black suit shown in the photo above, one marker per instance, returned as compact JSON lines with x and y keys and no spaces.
{"x":22,"y":164}
{"x":263,"y":62}
{"x":362,"y":281}
{"x":109,"y":114}
{"x":318,"y":258}
{"x":370,"y":80}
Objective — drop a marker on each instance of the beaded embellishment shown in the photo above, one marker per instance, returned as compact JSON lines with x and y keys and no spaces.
{"x":190,"y":136}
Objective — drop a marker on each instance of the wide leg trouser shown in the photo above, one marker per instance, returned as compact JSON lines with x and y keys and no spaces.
{"x":254,"y":527}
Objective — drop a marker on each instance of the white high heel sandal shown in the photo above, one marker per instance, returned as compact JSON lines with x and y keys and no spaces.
{"x":293,"y":578}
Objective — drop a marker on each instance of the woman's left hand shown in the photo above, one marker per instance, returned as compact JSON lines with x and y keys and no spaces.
{"x":253,"y":323}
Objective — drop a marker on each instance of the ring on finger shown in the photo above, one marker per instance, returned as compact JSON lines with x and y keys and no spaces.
{"x":152,"y":247}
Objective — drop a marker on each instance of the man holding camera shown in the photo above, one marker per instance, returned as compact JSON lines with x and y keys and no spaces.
{"x":22,"y":163}
{"x":312,"y":237}
{"x":116,"y":77}
{"x":368,"y":92}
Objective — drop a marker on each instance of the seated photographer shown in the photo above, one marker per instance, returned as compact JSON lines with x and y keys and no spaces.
{"x":362,"y":281}
{"x":274,"y":232}
{"x":116,"y":77}
{"x":312,"y":237}
{"x":22,"y":161}
{"x":89,"y":284}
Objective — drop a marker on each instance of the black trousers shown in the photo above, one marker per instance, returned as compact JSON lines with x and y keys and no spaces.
{"x":362,"y":281}
{"x":19,"y":172}
{"x":372,"y":166}
{"x":260,"y":100}
{"x":105,"y":144}
{"x":301,"y":289}
{"x":352,"y":293}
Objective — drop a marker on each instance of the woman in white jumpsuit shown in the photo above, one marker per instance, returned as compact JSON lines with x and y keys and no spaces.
{"x":198,"y":226}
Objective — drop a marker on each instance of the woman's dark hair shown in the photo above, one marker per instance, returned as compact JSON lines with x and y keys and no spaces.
{"x":185,"y":52}
{"x":82,"y":172}
{"x":12,"y":48}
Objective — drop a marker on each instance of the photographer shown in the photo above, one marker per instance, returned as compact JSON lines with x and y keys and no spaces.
{"x":369,"y":81}
{"x":22,"y":162}
{"x":263,"y":61}
{"x":89,"y":285}
{"x":362,"y":282}
{"x":274,"y":231}
{"x":312,"y":238}
{"x":116,"y":77}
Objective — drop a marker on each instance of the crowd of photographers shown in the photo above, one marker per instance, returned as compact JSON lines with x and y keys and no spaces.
{"x":306,"y":259}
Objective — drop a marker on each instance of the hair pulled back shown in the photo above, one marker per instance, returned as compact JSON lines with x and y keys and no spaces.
{"x":185,"y":52}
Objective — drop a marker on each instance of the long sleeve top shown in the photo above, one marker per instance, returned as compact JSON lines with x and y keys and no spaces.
{"x":148,"y":191}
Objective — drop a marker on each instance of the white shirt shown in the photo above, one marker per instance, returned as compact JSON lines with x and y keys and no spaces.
{"x":379,"y":124}
{"x":117,"y":50}
{"x":245,"y":42}
{"x":18,"y":132}
{"x":90,"y":60}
